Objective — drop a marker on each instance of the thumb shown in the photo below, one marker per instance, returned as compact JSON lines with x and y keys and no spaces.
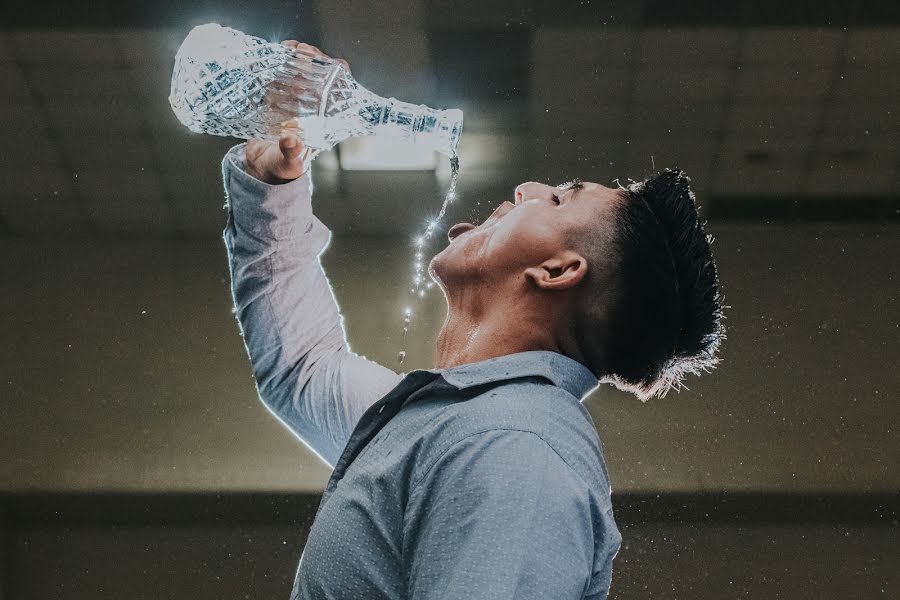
{"x":290,"y":146}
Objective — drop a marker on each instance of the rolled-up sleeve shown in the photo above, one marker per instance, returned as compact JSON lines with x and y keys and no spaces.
{"x":501,"y":515}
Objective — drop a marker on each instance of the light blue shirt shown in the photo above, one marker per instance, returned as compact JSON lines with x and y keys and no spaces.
{"x":482,"y":481}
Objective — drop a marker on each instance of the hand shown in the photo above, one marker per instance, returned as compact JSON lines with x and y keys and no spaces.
{"x":278,"y":163}
{"x":289,"y":159}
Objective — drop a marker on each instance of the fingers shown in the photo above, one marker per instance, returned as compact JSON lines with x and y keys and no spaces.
{"x":255,"y":147}
{"x":310,"y":50}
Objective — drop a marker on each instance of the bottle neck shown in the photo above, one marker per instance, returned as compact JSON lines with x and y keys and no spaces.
{"x":420,"y":123}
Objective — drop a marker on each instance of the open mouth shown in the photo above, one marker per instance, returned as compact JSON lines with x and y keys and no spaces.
{"x":458,"y":230}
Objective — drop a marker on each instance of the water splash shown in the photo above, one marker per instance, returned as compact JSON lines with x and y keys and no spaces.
{"x":419,"y":284}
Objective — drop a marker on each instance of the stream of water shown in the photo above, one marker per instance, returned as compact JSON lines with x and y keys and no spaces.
{"x":420,"y":246}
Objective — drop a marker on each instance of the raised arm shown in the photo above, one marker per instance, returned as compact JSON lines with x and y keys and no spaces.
{"x":305,"y":372}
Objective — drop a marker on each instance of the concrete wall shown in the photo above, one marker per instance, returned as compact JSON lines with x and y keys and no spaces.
{"x":121,"y":368}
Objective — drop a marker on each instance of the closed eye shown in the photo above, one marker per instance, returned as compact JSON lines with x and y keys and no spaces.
{"x":575,"y":184}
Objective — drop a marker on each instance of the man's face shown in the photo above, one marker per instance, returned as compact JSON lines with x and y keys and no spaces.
{"x":543,"y":222}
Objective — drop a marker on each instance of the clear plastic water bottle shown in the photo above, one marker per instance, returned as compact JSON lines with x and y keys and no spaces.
{"x":232,"y":84}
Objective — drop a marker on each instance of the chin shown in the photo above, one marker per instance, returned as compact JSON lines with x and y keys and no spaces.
{"x":461,"y":260}
{"x":444,"y":267}
{"x":435,"y":267}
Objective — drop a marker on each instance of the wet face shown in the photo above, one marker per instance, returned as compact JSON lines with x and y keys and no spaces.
{"x":543,"y":222}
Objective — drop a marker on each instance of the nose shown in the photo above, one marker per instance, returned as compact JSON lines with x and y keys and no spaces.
{"x":531,"y":189}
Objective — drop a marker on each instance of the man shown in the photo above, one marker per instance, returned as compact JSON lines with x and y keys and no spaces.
{"x":484,"y":476}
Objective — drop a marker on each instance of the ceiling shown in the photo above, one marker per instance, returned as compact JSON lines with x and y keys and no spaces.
{"x":774,"y":112}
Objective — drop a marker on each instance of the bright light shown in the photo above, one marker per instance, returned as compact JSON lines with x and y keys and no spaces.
{"x":380,"y":153}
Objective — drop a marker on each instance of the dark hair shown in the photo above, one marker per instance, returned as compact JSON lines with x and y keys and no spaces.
{"x":666,"y":320}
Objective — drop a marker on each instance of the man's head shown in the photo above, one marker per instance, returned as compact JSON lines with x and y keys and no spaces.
{"x":621,"y":278}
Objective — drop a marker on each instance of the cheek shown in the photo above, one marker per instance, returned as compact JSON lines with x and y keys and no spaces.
{"x":520,"y":242}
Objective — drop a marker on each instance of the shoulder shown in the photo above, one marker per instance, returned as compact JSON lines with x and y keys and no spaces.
{"x":534,"y":405}
{"x":497,"y":455}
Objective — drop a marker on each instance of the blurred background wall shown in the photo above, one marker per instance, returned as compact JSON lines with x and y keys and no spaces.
{"x":136,"y":459}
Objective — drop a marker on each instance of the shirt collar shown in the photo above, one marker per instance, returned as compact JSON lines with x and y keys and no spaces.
{"x":562,"y":371}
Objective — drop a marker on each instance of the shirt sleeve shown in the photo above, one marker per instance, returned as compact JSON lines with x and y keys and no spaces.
{"x":499,"y":515}
{"x":293,"y":332}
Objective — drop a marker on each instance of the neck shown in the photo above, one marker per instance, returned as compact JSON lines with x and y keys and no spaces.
{"x":476,"y":331}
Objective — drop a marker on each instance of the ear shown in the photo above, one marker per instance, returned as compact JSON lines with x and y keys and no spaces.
{"x":560,"y":272}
